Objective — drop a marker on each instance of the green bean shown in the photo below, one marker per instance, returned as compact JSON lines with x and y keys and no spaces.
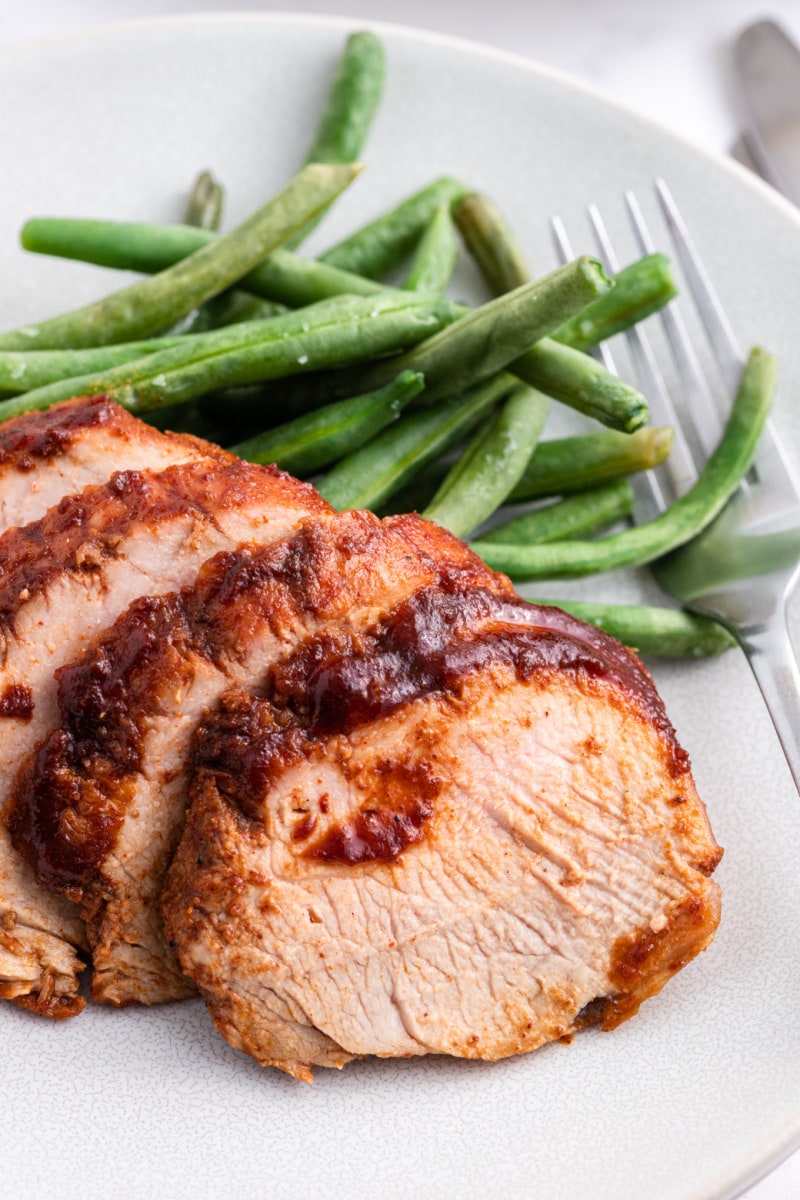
{"x":138,"y":246}
{"x":369,"y":476}
{"x":682,"y":521}
{"x":153,"y":304}
{"x":553,"y":368}
{"x":577,"y":516}
{"x":349,"y":110}
{"x":484,"y":340}
{"x":204,"y":206}
{"x":24,"y":370}
{"x":386,"y":242}
{"x":327,"y":435}
{"x":203,"y":210}
{"x":435,"y":256}
{"x":639,"y":290}
{"x":491,"y":242}
{"x":491,"y":465}
{"x":331,"y":333}
{"x":581,"y":383}
{"x":573,"y":464}
{"x":663,"y":632}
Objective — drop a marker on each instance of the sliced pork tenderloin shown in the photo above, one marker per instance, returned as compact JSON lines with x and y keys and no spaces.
{"x":47,"y":455}
{"x":69,"y":575}
{"x":465,"y":829}
{"x":99,"y":809}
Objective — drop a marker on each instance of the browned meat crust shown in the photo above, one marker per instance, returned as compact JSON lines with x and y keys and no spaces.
{"x":408,"y":768}
{"x":152,"y":675}
{"x":68,"y":574}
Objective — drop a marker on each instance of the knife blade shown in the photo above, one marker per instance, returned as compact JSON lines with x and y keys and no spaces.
{"x":768,"y":65}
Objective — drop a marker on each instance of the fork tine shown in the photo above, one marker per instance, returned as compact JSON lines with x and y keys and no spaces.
{"x":701,"y":407}
{"x":779,"y":490}
{"x":680,"y":465}
{"x":566,"y":254}
{"x":718,"y":327}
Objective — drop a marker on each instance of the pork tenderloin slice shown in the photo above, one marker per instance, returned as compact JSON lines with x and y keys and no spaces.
{"x":480,"y":836}
{"x":47,"y":455}
{"x":68,"y":576}
{"x":100,"y":808}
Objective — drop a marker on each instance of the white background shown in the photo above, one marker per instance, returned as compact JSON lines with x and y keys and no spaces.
{"x":668,"y":59}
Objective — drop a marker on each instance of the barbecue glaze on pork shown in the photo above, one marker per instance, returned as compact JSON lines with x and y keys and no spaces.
{"x":69,"y":574}
{"x":101,"y":805}
{"x":463,"y":826}
{"x":426,"y":816}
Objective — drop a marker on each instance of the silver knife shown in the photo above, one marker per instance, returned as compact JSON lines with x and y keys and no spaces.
{"x":768,"y":63}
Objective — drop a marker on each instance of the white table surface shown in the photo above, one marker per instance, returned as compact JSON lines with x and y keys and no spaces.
{"x":670,"y":60}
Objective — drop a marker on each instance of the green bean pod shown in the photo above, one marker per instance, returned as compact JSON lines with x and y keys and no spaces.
{"x":383,"y":244}
{"x":491,"y":465}
{"x":639,"y":290}
{"x":578,"y":516}
{"x":581,"y":383}
{"x":320,"y":438}
{"x":491,"y":242}
{"x":681,"y":522}
{"x":573,"y":464}
{"x":204,"y":206}
{"x":435,"y":257}
{"x":370,"y":475}
{"x":553,"y":368}
{"x":153,"y":304}
{"x":331,"y":333}
{"x":485,"y":339}
{"x":662,"y":632}
{"x":349,"y":109}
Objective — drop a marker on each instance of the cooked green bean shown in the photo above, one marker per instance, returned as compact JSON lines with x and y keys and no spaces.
{"x":553,"y":368}
{"x":153,"y":304}
{"x":349,"y":109}
{"x":573,"y":464}
{"x":577,"y":516}
{"x":386,"y":242}
{"x":24,"y":370}
{"x":663,"y":632}
{"x":491,"y":465}
{"x":369,"y":476}
{"x":435,"y":256}
{"x":491,"y":242}
{"x":352,"y":101}
{"x":139,"y":246}
{"x":331,"y":333}
{"x":639,"y":290}
{"x":581,"y":383}
{"x":682,"y":521}
{"x":487,"y":338}
{"x":204,"y":206}
{"x":327,"y":435}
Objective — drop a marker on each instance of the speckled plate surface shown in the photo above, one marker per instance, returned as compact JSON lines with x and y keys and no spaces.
{"x":699,"y":1094}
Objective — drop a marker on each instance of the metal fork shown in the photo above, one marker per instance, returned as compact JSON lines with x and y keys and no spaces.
{"x":742,"y":569}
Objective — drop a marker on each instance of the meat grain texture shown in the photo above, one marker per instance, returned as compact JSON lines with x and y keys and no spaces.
{"x":424,"y":816}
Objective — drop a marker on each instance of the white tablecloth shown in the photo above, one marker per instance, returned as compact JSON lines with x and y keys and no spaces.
{"x":670,"y":61}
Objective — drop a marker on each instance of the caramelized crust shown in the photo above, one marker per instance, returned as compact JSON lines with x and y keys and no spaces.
{"x":87,"y":810}
{"x":47,"y":455}
{"x":69,"y":573}
{"x":465,"y":827}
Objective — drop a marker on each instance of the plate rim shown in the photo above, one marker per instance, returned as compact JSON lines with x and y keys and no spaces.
{"x":783,"y":1144}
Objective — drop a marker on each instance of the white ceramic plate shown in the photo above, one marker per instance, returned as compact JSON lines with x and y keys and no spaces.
{"x":701,"y":1092}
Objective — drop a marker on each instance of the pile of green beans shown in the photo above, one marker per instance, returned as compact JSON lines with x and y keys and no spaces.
{"x":405,"y":398}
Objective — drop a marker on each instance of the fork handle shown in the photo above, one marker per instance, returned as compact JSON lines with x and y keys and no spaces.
{"x":771,"y":656}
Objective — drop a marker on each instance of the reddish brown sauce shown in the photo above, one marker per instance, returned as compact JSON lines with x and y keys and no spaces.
{"x":340,"y":680}
{"x":48,"y":434}
{"x":405,"y":796}
{"x":16,"y":700}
